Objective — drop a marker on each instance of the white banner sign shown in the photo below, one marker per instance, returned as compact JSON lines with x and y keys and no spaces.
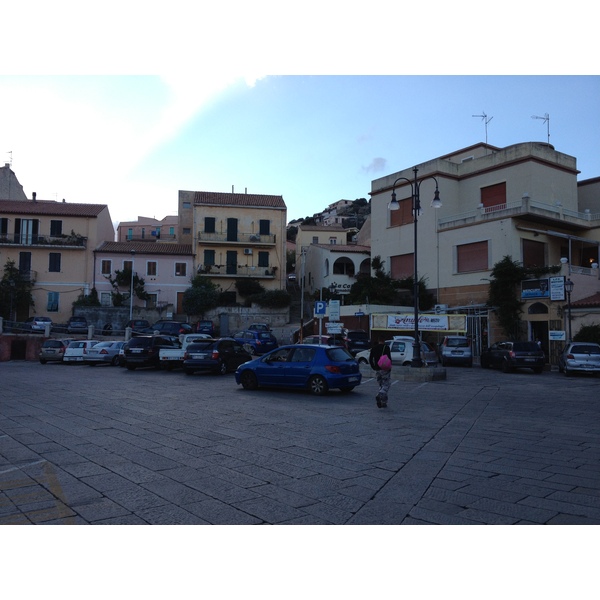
{"x":426,"y":322}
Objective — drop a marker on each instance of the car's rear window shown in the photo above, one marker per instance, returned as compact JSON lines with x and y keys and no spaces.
{"x":457,"y":342}
{"x":139,"y":342}
{"x":585,"y":349}
{"x":52,"y":344}
{"x":201,"y":346}
{"x":264,"y":335}
{"x":339,"y":354}
{"x":525,"y":347}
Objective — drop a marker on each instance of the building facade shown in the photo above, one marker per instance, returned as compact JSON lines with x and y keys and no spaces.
{"x":521,"y":201}
{"x":235,"y":236}
{"x":51,"y":243}
{"x":148,"y":229}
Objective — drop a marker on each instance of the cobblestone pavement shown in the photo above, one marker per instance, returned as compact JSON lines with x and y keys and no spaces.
{"x":103,"y":445}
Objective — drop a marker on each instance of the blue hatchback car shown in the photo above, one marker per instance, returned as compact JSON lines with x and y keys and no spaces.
{"x":309,"y":366}
{"x":256,"y":342}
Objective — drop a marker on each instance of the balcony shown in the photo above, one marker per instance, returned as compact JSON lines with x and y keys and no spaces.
{"x":17,"y":239}
{"x":237,"y":271}
{"x":242,"y":239}
{"x":526,"y":209}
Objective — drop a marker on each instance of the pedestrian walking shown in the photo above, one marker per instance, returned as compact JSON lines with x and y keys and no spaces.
{"x":380,"y":360}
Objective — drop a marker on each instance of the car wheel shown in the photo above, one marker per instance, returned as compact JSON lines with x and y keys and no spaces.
{"x":363,"y":361}
{"x":189,"y":371}
{"x":115,"y":361}
{"x":248,"y":380}
{"x":131,"y":367}
{"x":538,"y":370}
{"x":43,"y":361}
{"x":568,"y":373}
{"x":317,"y":385}
{"x":222,"y":369}
{"x":506,"y":367}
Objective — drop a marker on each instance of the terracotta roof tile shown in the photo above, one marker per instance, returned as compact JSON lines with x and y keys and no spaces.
{"x":145,"y":248}
{"x":592,"y":301}
{"x":227,"y":199}
{"x":51,"y":208}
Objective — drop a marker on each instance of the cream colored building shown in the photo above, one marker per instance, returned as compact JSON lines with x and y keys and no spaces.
{"x":521,"y":201}
{"x":148,"y":229}
{"x":235,"y":236}
{"x":51,"y":243}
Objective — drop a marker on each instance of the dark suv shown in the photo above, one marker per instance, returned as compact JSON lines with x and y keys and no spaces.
{"x":356,"y":340}
{"x":217,"y":356}
{"x":144,"y":350}
{"x":170,"y":328}
{"x":513,"y":355}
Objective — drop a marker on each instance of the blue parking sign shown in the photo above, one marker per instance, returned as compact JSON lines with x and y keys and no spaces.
{"x":320,"y":307}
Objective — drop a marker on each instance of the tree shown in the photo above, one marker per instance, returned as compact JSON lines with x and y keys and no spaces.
{"x":15,"y":291}
{"x":201,"y":297}
{"x":502,"y":295}
{"x":122,"y":280}
{"x":588,"y":333}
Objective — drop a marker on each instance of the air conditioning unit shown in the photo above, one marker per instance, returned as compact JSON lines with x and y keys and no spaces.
{"x":247,"y":250}
{"x":440,"y":308}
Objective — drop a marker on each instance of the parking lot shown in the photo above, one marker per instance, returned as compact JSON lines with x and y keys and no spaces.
{"x":81,"y":445}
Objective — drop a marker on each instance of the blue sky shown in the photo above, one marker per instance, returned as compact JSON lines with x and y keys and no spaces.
{"x":133,"y":141}
{"x":126,"y":107}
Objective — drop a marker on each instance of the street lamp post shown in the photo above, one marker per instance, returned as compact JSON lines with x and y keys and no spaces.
{"x":131,"y":293}
{"x":415,"y":187}
{"x":569,"y":285}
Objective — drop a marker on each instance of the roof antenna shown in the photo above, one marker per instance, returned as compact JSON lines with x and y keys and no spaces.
{"x":546,"y":119}
{"x":484,"y":117}
{"x":10,"y":152}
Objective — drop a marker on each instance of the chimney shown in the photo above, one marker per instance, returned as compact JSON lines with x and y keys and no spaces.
{"x":33,"y":195}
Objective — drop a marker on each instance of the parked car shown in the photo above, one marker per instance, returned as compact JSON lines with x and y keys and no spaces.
{"x":104,"y":353}
{"x":53,"y":350}
{"x":356,"y":340}
{"x":174,"y":328}
{"x":313,"y":367}
{"x":327,"y":340}
{"x":220,"y":356}
{"x":37,"y":324}
{"x":580,"y":357}
{"x":77,"y":325}
{"x":144,"y":350}
{"x":256,"y":342}
{"x":138,"y":325}
{"x":456,"y":350}
{"x":402,"y":351}
{"x":205,"y":326}
{"x":77,"y":351}
{"x":509,"y":355}
{"x":171,"y":358}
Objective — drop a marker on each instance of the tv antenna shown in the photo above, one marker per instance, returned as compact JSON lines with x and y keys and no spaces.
{"x":10,"y":152}
{"x":546,"y":119}
{"x":484,"y":118}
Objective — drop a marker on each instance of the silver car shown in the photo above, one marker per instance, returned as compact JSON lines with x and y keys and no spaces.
{"x":104,"y":353}
{"x":580,"y":357}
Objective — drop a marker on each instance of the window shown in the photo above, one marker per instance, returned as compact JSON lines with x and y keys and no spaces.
{"x":143,"y":232}
{"x":534,"y":254}
{"x":186,"y":231}
{"x":494,"y":196}
{"x":151,"y":268}
{"x":209,"y":224}
{"x":264,"y":226}
{"x":315,"y":239}
{"x":26,"y":231}
{"x":52,"y":304}
{"x":106,"y":267}
{"x":3,"y":226}
{"x":171,"y":230}
{"x":333,"y":241}
{"x":402,"y":265}
{"x":404,"y":215}
{"x":186,"y":204}
{"x":130,"y":234}
{"x":151,"y":300}
{"x":180,"y":269}
{"x":263,"y":259}
{"x":127,"y":265}
{"x":209,"y":258}
{"x":54,"y":262}
{"x":55,"y":228}
{"x":105,"y":298}
{"x":472,"y":257}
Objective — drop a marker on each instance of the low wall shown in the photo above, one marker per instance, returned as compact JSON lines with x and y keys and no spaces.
{"x":20,"y":347}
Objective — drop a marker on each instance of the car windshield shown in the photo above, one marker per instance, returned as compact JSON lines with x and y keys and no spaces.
{"x":457,"y":342}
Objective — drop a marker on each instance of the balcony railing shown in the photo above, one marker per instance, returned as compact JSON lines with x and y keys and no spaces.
{"x":241,"y":238}
{"x":237,"y":271}
{"x":523,"y":207}
{"x":18,"y":239}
